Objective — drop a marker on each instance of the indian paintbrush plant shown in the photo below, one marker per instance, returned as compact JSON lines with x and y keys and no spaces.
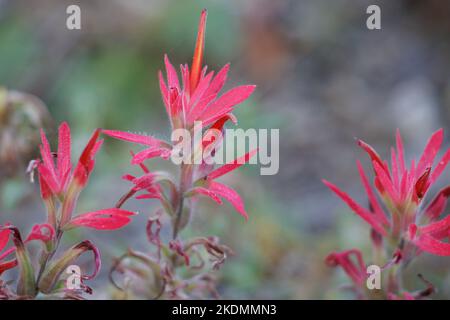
{"x":405,"y":219}
{"x":180,"y":267}
{"x":60,"y":186}
{"x":176,"y":268}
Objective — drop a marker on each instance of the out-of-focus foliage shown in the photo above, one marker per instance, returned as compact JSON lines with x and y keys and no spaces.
{"x":21,"y":116}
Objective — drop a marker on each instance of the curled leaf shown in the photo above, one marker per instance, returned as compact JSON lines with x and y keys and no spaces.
{"x":43,"y":232}
{"x":52,"y":274}
{"x":153,"y":230}
{"x":177,"y":247}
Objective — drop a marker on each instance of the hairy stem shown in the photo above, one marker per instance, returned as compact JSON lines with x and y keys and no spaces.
{"x":49,"y":256}
{"x":185,"y":184}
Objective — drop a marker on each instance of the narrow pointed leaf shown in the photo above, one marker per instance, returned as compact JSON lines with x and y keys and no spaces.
{"x":232,"y":165}
{"x":430,"y":151}
{"x":132,"y":137}
{"x":360,"y":211}
{"x":198,"y":52}
{"x":230,"y":195}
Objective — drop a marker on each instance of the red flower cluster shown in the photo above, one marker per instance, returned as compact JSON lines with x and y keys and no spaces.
{"x":59,"y":183}
{"x":403,"y":216}
{"x":403,"y":191}
{"x":60,"y":187}
{"x":195,"y":99}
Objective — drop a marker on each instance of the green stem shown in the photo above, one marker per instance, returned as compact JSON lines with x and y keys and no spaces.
{"x":185,"y":184}
{"x":49,"y":256}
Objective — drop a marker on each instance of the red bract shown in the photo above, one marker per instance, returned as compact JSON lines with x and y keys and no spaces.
{"x":429,"y":238}
{"x":156,"y":147}
{"x":42,"y":232}
{"x":402,"y":191}
{"x":87,"y":160}
{"x":196,"y":98}
{"x":401,"y":185}
{"x":149,"y":183}
{"x":59,"y":182}
{"x":55,"y":179}
{"x":351,"y":262}
{"x":4,"y":239}
{"x":207,"y":186}
{"x":107,"y":219}
{"x":146,"y":182}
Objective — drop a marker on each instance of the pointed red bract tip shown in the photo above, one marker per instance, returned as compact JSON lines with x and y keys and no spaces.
{"x":86,"y":156}
{"x":198,"y":53}
{"x":351,"y":261}
{"x":422,"y":184}
{"x":371,"y":152}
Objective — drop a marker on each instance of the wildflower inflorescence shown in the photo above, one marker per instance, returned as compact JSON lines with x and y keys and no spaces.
{"x":194,"y":99}
{"x":406,"y":222}
{"x":60,"y":186}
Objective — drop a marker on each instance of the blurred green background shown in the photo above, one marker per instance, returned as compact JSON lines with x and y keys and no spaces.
{"x":323,"y":78}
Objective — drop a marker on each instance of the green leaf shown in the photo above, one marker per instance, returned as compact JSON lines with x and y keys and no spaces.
{"x":26,"y":285}
{"x":53,"y":272}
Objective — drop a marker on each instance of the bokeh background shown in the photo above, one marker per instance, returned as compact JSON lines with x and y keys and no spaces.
{"x":323,"y":78}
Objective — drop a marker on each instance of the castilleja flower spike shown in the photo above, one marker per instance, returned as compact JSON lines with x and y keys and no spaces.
{"x":195,"y":99}
{"x":60,"y":188}
{"x":59,"y":183}
{"x":402,"y":191}
{"x":192,"y":101}
{"x":410,"y":224}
